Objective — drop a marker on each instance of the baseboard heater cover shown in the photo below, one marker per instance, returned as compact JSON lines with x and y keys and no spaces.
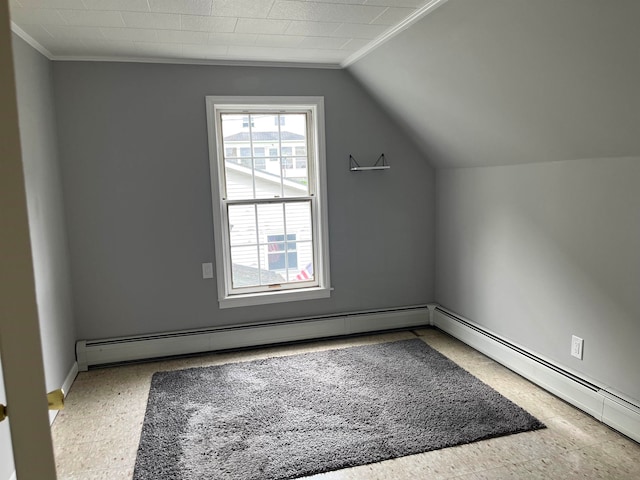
{"x":144,"y":347}
{"x":622,"y":414}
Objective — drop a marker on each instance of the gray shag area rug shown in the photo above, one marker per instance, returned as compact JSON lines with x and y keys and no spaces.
{"x":288,"y":417}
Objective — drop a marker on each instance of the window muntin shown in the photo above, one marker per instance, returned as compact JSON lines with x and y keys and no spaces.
{"x":269,"y":200}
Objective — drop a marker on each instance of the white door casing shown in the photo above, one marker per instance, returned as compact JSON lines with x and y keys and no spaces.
{"x":20,"y":346}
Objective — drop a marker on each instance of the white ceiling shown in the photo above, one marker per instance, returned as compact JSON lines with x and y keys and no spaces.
{"x":319,"y":32}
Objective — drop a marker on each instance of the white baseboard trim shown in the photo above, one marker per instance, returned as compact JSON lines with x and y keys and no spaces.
{"x":116,"y":350}
{"x":583,"y":393}
{"x":66,"y":386}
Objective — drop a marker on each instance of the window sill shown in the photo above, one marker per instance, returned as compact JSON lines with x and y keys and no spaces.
{"x":264,"y":298}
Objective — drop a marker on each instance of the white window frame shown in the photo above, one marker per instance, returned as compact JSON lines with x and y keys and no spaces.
{"x":317,"y":184}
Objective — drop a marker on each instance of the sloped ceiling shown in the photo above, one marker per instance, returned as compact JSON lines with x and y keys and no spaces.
{"x":499,"y":82}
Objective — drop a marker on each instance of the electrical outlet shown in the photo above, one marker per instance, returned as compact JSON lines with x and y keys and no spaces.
{"x":576,"y":346}
{"x":207,"y":270}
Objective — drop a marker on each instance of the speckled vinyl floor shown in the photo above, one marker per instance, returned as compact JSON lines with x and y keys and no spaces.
{"x":96,"y":436}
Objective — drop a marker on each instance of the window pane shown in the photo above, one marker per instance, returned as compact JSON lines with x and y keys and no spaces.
{"x":260,"y":163}
{"x":304,"y":271}
{"x":270,"y":221}
{"x":299,"y":219}
{"x":264,"y":128}
{"x":232,"y":129}
{"x":245,"y":267}
{"x":238,"y":171}
{"x":239,"y":180}
{"x":297,"y":176}
{"x":294,"y":141}
{"x":268,"y":185}
{"x":242,"y":225}
{"x":282,"y":258}
{"x":276,"y":256}
{"x":295,"y":123}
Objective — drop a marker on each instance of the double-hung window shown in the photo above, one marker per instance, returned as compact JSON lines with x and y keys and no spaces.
{"x":268,"y":184}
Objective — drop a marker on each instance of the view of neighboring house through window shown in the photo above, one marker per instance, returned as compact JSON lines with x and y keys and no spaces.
{"x":269,"y":203}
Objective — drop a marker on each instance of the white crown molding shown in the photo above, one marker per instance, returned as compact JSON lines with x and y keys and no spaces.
{"x":180,"y":61}
{"x":31,"y":41}
{"x":188,"y":61}
{"x":392,"y":32}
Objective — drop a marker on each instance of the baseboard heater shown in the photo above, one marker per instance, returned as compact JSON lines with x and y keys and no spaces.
{"x":611,"y":408}
{"x":91,"y":353}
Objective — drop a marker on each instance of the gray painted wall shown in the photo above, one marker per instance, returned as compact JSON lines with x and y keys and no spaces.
{"x":135,"y":166}
{"x":498,"y":82}
{"x":47,"y":222}
{"x":540,"y":252}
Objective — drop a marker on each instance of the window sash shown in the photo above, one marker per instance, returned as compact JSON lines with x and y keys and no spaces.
{"x":286,"y":285}
{"x":286,"y":155}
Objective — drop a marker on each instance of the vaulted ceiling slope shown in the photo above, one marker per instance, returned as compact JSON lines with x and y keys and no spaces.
{"x":499,"y":82}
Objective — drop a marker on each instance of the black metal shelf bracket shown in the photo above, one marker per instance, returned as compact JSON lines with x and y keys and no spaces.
{"x":381,"y":164}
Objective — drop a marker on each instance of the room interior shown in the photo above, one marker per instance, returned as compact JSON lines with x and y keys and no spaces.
{"x":508,"y":216}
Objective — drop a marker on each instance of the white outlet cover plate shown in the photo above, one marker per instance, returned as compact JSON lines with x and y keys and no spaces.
{"x":207,"y":270}
{"x":576,"y":346}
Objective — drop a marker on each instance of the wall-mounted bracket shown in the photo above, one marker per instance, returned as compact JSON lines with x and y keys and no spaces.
{"x":381,"y":164}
